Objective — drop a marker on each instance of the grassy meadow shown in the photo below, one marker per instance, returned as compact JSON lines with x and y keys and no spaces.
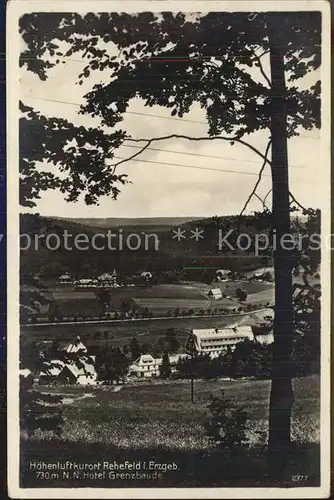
{"x":161,"y":415}
{"x":158,"y":419}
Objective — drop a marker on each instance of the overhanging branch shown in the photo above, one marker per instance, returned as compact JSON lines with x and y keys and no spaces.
{"x":131,"y":157}
{"x":205,"y":138}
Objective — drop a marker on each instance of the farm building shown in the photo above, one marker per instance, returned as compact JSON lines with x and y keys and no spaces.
{"x":223,"y":274}
{"x":215,"y":293}
{"x":108,"y":280}
{"x":61,"y":372}
{"x":65,"y":279}
{"x":213,"y":341}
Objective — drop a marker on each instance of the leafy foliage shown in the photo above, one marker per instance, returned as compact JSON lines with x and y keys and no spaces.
{"x":248,"y":359}
{"x":79,"y":157}
{"x":170,"y":60}
{"x":226,"y":426}
{"x":241,"y":294}
{"x":307,"y":297}
{"x":135,"y":348}
{"x":111,"y":364}
{"x":165,"y":368}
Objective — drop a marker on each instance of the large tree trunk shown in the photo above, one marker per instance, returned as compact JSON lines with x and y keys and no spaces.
{"x":281,"y":398}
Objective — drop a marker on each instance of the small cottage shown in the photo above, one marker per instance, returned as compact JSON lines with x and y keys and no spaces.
{"x":215,"y":293}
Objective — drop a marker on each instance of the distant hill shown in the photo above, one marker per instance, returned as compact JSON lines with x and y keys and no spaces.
{"x":172,"y":254}
{"x":110,"y":222}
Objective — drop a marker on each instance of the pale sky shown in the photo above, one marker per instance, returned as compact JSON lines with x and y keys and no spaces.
{"x":159,"y":190}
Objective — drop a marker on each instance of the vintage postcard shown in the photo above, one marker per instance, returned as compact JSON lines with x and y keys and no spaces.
{"x":168,"y":249}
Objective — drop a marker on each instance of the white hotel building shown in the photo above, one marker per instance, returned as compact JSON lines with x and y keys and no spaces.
{"x":213,"y":341}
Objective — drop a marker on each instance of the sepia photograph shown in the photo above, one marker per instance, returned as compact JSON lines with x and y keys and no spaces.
{"x":168,"y":249}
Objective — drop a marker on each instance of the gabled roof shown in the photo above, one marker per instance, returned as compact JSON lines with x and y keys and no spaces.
{"x":25,"y":372}
{"x":75,"y":346}
{"x":215,"y":291}
{"x":214,"y":333}
{"x":144,"y":359}
{"x":57,"y":366}
{"x":83,"y":371}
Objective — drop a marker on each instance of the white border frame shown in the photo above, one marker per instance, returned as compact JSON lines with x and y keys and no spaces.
{"x":16,"y":8}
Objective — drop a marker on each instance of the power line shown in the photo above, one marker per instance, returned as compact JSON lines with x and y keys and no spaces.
{"x":146,"y":114}
{"x":241,"y":172}
{"x":190,"y":166}
{"x":199,"y":155}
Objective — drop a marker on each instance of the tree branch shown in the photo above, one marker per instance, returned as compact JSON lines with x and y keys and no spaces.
{"x":297,"y":203}
{"x":259,"y":63}
{"x":206,"y":138}
{"x":264,"y":199}
{"x":131,"y":157}
{"x":258,"y":179}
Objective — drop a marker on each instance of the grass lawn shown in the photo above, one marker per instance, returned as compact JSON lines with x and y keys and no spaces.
{"x":173,"y":291}
{"x":148,"y":420}
{"x":160,"y":306}
{"x":126,"y":418}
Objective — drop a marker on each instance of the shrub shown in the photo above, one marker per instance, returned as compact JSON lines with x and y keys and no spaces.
{"x":226,"y":426}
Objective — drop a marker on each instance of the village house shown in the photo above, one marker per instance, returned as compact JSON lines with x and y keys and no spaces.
{"x":65,"y":279}
{"x":214,"y":341}
{"x":223,"y":274}
{"x":146,"y":366}
{"x":215,"y":293}
{"x":108,"y":280}
{"x":61,"y":372}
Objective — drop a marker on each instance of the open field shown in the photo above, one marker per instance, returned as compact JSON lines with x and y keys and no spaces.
{"x":250,"y":287}
{"x":262,"y":297}
{"x":167,"y":405}
{"x":158,"y":421}
{"x":161,"y":306}
{"x":161,"y":298}
{"x":165,"y":297}
{"x":177,"y":291}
